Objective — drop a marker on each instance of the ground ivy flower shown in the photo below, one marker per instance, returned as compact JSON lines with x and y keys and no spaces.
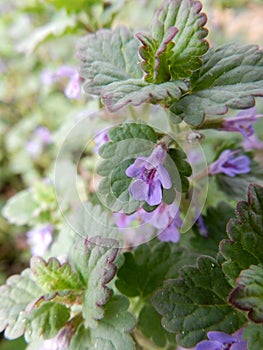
{"x":223,"y":341}
{"x":100,"y":139}
{"x":252,"y":143}
{"x":230,"y":163}
{"x":166,"y":218}
{"x":39,"y":239}
{"x":242,"y":122}
{"x":151,"y":176}
{"x":40,"y":139}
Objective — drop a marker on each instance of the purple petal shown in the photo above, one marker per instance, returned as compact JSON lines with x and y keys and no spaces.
{"x":221,"y":337}
{"x":239,"y":346}
{"x":136,"y":168}
{"x":164,"y":177}
{"x":73,"y":88}
{"x":65,"y":71}
{"x":139,"y":190}
{"x":209,"y":345}
{"x":170,"y":234}
{"x":155,"y":193}
{"x":157,"y":157}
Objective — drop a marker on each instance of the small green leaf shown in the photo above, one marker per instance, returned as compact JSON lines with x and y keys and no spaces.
{"x":54,"y":276}
{"x":215,"y":221}
{"x":20,"y":208}
{"x":230,"y":77}
{"x":197,"y":302}
{"x":108,"y":56}
{"x":248,"y":295}
{"x":46,"y":320}
{"x":254,"y":336}
{"x":189,"y":43}
{"x":93,"y":260}
{"x":113,"y":191}
{"x":16,"y":296}
{"x":136,"y":91}
{"x":111,"y":331}
{"x":148,"y":266}
{"x":150,"y":325}
{"x":244,"y":246}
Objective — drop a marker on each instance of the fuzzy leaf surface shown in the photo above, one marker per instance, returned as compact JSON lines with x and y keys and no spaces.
{"x":230,"y":77}
{"x":254,"y":336}
{"x":54,"y":276}
{"x":93,"y":260}
{"x":188,"y":42}
{"x":197,"y":302}
{"x":248,"y":295}
{"x":148,"y":266}
{"x":244,"y":246}
{"x":113,"y":191}
{"x":111,"y":332}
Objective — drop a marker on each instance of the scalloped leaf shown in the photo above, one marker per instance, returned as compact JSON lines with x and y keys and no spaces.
{"x":93,"y":260}
{"x":54,"y":276}
{"x":254,"y":336}
{"x":148,"y":266}
{"x":113,"y":191}
{"x":248,"y":295}
{"x":108,"y":56}
{"x":16,"y":297}
{"x":196,"y":303}
{"x":110,"y":70}
{"x":46,"y":320}
{"x":189,"y":44}
{"x":20,"y":208}
{"x":111,"y":332}
{"x":230,"y":77}
{"x":244,"y":246}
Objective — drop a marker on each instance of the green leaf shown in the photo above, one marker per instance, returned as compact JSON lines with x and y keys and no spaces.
{"x":93,"y":260}
{"x":244,"y":246}
{"x":235,"y":187}
{"x":113,"y":191}
{"x":20,"y":208}
{"x":248,"y":295}
{"x":54,"y":276}
{"x":108,"y":56}
{"x":150,"y":325}
{"x":197,"y":302}
{"x":136,"y":91}
{"x":110,"y":70}
{"x":148,"y":266}
{"x":179,"y":169}
{"x":111,"y":331}
{"x":230,"y":77}
{"x":189,"y":43}
{"x":74,"y":6}
{"x":254,"y":336}
{"x":46,"y":320}
{"x":16,"y":296}
{"x":91,"y":221}
{"x":215,"y":221}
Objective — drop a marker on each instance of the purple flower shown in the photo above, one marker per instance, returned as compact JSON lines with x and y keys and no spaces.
{"x":150,"y":176}
{"x":252,"y":143}
{"x":41,"y":138}
{"x":229,"y":163}
{"x":100,"y":139}
{"x":242,"y":122}
{"x":39,"y":239}
{"x":202,"y":226}
{"x":166,"y":218}
{"x":223,"y":341}
{"x":72,"y":89}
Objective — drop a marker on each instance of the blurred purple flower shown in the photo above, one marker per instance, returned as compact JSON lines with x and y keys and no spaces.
{"x":41,"y":137}
{"x":72,"y":89}
{"x":229,"y":163}
{"x":202,"y":226}
{"x":166,"y":218}
{"x":252,"y":143}
{"x":150,"y":176}
{"x":223,"y":341}
{"x":100,"y":139}
{"x":39,"y":239}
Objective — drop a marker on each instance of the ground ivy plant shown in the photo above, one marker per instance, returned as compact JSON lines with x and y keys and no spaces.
{"x":166,"y":252}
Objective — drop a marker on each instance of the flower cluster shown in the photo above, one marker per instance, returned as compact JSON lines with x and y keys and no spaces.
{"x":223,"y":341}
{"x":151,"y":176}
